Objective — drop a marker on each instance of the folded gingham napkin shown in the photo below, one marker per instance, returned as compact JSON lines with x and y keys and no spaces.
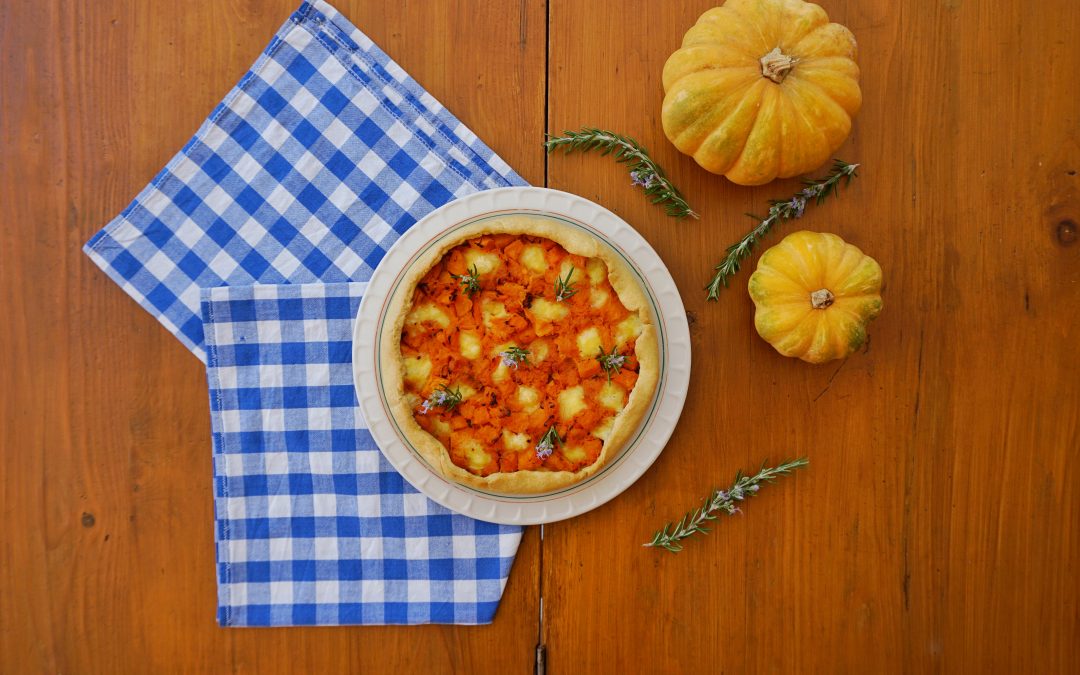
{"x":298,"y":182}
{"x":314,"y":525}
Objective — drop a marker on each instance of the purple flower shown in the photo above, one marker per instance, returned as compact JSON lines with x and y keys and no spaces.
{"x":643,"y":177}
{"x":544,"y":449}
{"x":798,"y":205}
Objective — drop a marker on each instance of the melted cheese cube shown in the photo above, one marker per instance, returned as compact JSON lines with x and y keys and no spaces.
{"x":538,"y":350}
{"x":574,"y":454}
{"x":469,"y":345}
{"x":528,"y":398}
{"x":440,"y":428}
{"x":475,"y":455}
{"x":465,"y":390}
{"x":547,"y":310}
{"x":491,"y":310}
{"x":588,"y":342}
{"x":612,"y":396}
{"x":428,"y":313}
{"x":571,"y":402}
{"x":598,"y":297}
{"x":534,"y":259}
{"x":597,"y":270}
{"x":500,"y":373}
{"x":485,"y":263}
{"x":417,"y":370}
{"x":512,"y":441}
{"x":603,"y":430}
{"x":565,"y":269}
{"x":628,"y":329}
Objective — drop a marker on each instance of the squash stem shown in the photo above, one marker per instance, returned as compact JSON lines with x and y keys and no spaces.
{"x":776,"y":65}
{"x":822,"y":298}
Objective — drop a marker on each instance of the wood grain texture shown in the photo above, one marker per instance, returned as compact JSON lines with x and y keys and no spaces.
{"x":106,"y":551}
{"x":936,"y":528}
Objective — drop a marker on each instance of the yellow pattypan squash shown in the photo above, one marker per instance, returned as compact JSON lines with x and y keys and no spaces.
{"x":762,"y":89}
{"x":814,"y":295}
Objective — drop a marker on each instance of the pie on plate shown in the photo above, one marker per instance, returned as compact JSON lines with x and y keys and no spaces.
{"x":520,"y":355}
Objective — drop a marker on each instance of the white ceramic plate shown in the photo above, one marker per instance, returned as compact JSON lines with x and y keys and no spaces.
{"x":654,"y":431}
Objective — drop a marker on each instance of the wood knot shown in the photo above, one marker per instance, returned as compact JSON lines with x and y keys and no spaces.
{"x":88,"y":519}
{"x":1066,"y":232}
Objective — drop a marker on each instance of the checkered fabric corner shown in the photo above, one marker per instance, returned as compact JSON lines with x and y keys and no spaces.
{"x":311,"y":167}
{"x":313,"y":524}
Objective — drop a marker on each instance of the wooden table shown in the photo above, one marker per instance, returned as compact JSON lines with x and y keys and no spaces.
{"x":937,"y":529}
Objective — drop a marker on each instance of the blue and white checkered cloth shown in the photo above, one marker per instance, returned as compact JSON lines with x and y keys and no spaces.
{"x":243,"y":247}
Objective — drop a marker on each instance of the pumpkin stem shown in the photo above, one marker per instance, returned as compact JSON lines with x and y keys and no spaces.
{"x":822,"y":298}
{"x":775,"y":65}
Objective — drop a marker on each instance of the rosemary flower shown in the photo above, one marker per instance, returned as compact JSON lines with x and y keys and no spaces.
{"x":442,"y":397}
{"x":643,"y":177}
{"x":611,"y":362}
{"x":547,"y":443}
{"x":470,"y":281}
{"x":513,"y":356}
{"x":563,"y":287}
{"x":644,"y":171}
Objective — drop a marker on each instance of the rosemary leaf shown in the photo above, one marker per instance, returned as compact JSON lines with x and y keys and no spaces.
{"x":779,"y":211}
{"x":670,"y":536}
{"x":643,"y":170}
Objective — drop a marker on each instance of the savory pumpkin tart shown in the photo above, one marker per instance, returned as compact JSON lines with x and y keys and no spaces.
{"x":521,"y":354}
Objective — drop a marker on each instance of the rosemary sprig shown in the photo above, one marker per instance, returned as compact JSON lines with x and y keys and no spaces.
{"x":470,"y":281}
{"x":513,"y":356}
{"x":643,"y":170}
{"x":720,"y":501}
{"x":547,"y":443}
{"x":611,"y":362}
{"x":779,"y":211}
{"x":443,"y":397}
{"x":563,"y":288}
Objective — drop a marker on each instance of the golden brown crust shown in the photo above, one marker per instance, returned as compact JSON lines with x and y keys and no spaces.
{"x":630,"y":293}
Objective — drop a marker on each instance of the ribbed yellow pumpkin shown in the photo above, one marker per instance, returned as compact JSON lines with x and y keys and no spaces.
{"x":814,"y":295}
{"x":762,"y":89}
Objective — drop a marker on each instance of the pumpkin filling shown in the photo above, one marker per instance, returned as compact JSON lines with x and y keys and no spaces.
{"x":518,"y":355}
